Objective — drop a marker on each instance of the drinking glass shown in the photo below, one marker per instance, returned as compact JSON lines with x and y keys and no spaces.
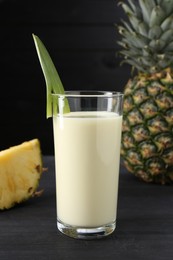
{"x":87,"y":139}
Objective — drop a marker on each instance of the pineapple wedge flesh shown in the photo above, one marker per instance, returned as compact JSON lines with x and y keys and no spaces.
{"x":20,"y":172}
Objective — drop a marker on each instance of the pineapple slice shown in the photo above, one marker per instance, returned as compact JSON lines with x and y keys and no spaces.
{"x":20,"y":172}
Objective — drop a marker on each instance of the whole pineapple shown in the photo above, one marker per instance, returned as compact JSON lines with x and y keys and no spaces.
{"x":147,"y":45}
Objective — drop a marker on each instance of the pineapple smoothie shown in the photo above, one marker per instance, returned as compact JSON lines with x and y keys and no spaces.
{"x":87,"y":153}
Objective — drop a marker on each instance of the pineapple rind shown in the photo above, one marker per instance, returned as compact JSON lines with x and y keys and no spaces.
{"x":20,"y":171}
{"x":147,"y":134}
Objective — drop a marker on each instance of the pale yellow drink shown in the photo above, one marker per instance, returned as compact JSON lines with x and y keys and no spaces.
{"x":87,"y":152}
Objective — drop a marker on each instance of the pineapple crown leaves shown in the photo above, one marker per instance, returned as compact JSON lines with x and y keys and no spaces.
{"x":147,"y":35}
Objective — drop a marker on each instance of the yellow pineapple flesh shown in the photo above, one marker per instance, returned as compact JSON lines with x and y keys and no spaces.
{"x":20,"y":172}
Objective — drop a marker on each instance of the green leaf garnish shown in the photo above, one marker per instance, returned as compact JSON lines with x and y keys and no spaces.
{"x":53,"y":81}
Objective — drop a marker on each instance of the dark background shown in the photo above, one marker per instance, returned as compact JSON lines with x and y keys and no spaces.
{"x":81,"y":37}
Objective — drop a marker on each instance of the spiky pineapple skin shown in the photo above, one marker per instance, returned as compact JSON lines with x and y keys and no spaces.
{"x":147,"y":132}
{"x":20,"y":172}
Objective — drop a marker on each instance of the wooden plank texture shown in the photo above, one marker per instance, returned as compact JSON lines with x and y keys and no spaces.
{"x":144,"y":225}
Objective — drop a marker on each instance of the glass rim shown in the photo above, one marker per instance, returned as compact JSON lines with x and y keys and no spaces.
{"x":89,"y":93}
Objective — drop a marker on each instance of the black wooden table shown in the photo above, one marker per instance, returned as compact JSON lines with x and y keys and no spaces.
{"x":144,"y":225}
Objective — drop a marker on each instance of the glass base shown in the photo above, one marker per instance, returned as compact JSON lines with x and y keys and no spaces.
{"x":86,"y":233}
